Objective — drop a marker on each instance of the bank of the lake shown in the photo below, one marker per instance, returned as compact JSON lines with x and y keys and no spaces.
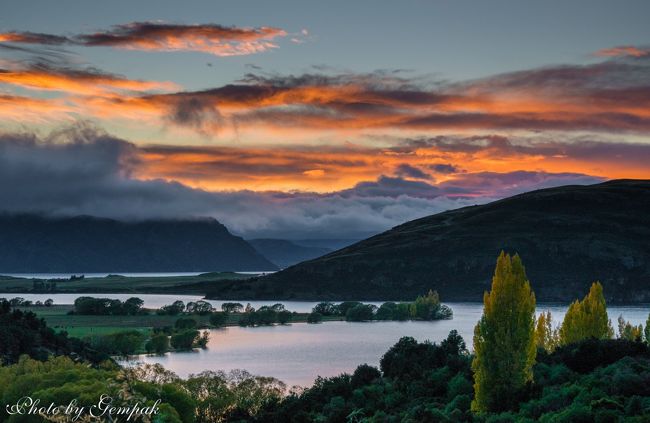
{"x":162,"y":283}
{"x":297,"y":353}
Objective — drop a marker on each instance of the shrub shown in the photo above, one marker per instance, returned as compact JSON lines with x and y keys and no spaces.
{"x":218,"y":319}
{"x":364,"y":375}
{"x":314,"y":317}
{"x":121,"y":343}
{"x":326,"y":309}
{"x":284,"y":317}
{"x":386,"y":311}
{"x":184,"y":340}
{"x":360,"y":313}
{"x":159,"y":344}
{"x":185,"y":323}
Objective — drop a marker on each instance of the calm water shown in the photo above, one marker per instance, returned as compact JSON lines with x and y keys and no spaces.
{"x":297,"y":353}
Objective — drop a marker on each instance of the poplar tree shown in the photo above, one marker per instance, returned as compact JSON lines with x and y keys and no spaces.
{"x":628,"y":331}
{"x":545,"y":335}
{"x":504,"y":338}
{"x":587,"y":318}
{"x":646,"y":331}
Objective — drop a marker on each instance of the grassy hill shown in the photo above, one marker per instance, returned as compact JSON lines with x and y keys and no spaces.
{"x":568,"y":237}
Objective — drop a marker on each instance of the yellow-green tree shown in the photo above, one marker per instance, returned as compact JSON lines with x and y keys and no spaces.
{"x":587,"y":318}
{"x":628,"y":331}
{"x":545,"y":336}
{"x":504,"y":338}
{"x":425,"y":307}
{"x":646,"y":331}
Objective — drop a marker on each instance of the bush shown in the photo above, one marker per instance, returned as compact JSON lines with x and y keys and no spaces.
{"x":284,"y":317}
{"x":184,"y":340}
{"x":199,"y":307}
{"x":121,"y":343}
{"x":585,"y":356}
{"x":159,"y":344}
{"x":174,"y":309}
{"x":360,"y":313}
{"x":326,"y":309}
{"x":364,"y":375}
{"x":231,"y":307}
{"x":218,"y":319}
{"x":202,"y":340}
{"x":386,"y":311}
{"x":314,"y":317}
{"x":266,"y":316}
{"x":347,"y":305}
{"x":185,"y":323}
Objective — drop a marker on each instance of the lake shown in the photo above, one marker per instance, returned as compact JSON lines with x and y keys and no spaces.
{"x":298,"y":353}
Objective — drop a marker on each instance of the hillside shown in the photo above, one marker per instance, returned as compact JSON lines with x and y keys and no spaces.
{"x":34,"y":244}
{"x":284,"y":253}
{"x":568,"y":237}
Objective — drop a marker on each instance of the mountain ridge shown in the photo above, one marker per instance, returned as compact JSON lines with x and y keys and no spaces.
{"x":567,"y":236}
{"x":31,"y":243}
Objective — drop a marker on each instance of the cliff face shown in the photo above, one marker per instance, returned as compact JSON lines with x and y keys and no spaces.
{"x":34,"y":244}
{"x":567,"y":237}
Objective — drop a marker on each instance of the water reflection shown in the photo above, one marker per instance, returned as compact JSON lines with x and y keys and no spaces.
{"x":297,"y":353}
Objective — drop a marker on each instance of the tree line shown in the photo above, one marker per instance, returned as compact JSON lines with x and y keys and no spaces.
{"x":425,"y":307}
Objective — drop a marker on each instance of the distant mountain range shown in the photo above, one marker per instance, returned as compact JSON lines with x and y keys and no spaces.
{"x":284,"y":253}
{"x":567,"y":237}
{"x":35,"y":244}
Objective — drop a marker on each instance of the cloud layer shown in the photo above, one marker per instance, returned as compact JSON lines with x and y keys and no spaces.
{"x":608,"y":97}
{"x":82,"y":170}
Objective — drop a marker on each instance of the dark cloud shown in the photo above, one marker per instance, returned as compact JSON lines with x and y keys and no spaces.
{"x":393,"y":187}
{"x":444,"y":168}
{"x":82,"y":170}
{"x":408,"y":171}
{"x":506,"y":184}
{"x":606,"y":122}
{"x":158,"y":36}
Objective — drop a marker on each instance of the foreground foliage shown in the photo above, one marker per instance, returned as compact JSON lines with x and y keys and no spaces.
{"x":591,"y":381}
{"x":24,"y":333}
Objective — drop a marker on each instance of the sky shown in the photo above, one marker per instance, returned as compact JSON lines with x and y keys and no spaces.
{"x":301,"y":119}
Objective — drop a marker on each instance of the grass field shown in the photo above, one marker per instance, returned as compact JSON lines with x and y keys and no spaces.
{"x":80,"y":326}
{"x":123,"y":284}
{"x":91,"y":331}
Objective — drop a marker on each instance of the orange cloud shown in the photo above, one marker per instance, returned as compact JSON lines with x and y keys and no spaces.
{"x":31,"y":38}
{"x":77,"y":81}
{"x":623,"y":51}
{"x":606,"y":97}
{"x":21,"y":109}
{"x":329,"y":169}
